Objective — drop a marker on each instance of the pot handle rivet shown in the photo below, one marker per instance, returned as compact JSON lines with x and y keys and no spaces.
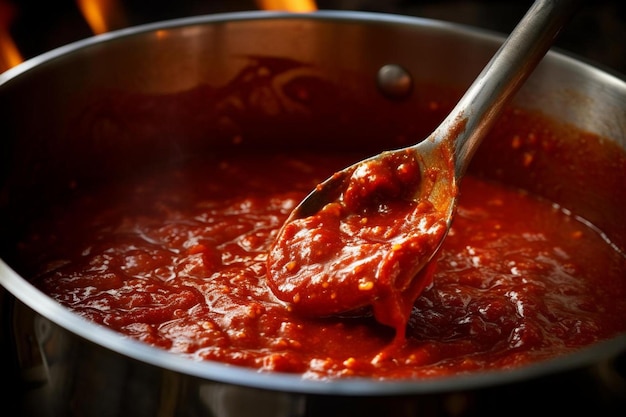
{"x":394,"y":81}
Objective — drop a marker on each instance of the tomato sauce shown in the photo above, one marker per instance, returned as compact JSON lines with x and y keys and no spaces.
{"x":177,"y":259}
{"x":363,"y":248}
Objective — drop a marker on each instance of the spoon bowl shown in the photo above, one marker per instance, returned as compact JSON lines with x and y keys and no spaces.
{"x":365,"y":236}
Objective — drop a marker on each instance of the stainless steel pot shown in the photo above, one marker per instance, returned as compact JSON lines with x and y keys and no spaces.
{"x":62,"y":365}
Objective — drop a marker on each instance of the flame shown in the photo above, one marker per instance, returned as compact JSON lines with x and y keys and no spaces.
{"x":297,"y":6}
{"x":102,"y":15}
{"x":9,"y":54}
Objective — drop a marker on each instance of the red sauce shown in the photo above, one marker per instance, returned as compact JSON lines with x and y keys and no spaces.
{"x":177,"y":259}
{"x":363,"y":248}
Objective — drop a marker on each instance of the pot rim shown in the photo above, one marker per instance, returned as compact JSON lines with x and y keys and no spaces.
{"x":221,"y":372}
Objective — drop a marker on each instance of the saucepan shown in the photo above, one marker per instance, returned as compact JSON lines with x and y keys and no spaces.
{"x":57,"y":363}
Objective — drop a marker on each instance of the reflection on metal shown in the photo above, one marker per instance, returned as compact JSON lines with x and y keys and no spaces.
{"x":394,"y":81}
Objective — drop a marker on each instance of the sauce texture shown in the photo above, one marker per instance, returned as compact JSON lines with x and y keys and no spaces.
{"x":362,"y":249}
{"x":177,"y":259}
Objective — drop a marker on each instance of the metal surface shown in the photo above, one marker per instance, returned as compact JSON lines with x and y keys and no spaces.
{"x":503,"y":75}
{"x":68,"y":366}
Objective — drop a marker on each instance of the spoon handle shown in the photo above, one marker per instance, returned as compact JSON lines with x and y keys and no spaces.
{"x":518,"y":56}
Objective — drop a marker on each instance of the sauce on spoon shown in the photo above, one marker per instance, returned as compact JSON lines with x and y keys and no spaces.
{"x":365,"y":248}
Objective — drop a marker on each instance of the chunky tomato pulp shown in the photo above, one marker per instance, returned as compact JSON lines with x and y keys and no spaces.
{"x":177,"y":259}
{"x":364,"y":247}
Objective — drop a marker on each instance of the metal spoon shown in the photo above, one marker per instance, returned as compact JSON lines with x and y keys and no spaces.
{"x":442,"y":158}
